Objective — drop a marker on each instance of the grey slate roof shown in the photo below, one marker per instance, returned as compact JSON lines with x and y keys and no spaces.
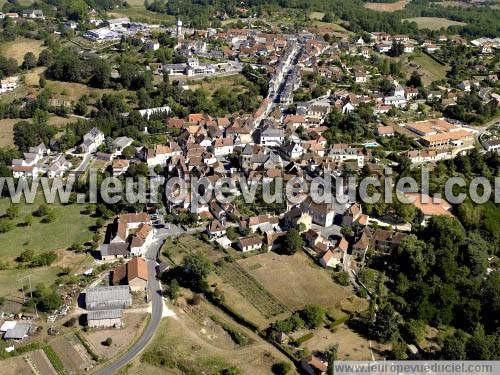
{"x":105,"y":314}
{"x":18,"y":332}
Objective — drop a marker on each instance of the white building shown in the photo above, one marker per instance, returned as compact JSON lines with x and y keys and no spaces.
{"x":8,"y":84}
{"x":92,"y":140}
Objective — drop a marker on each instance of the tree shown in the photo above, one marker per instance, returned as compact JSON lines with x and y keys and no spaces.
{"x":29,"y":61}
{"x":129,"y":152}
{"x":26,"y":256}
{"x":42,"y":82}
{"x":5,"y":225}
{"x":312,"y":315}
{"x":108,"y":341}
{"x":415,"y":80}
{"x":12,"y":211}
{"x":173,"y":289}
{"x":453,"y":347}
{"x":385,"y":326}
{"x":28,"y":220}
{"x":292,"y":242}
{"x":328,"y":18}
{"x":197,"y":267}
{"x":342,"y":278}
{"x":281,"y":368}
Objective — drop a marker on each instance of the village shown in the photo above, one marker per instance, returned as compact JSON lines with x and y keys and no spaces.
{"x":288,"y":285}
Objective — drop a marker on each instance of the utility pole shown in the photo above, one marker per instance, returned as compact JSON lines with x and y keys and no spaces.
{"x":30,"y":288}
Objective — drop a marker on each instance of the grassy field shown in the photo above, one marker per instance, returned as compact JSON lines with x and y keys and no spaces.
{"x":138,"y":13}
{"x":294,"y":280}
{"x":178,"y":248}
{"x":430,"y":69}
{"x":73,"y":91}
{"x":316,"y":17}
{"x":7,"y":127}
{"x":195,"y":341}
{"x":45,"y":236}
{"x":386,"y":7}
{"x":6,"y":131}
{"x":434,"y":23}
{"x":251,"y":290}
{"x":234,"y":83}
{"x":19,"y":47}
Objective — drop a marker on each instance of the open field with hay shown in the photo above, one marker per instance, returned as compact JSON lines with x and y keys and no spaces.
{"x":386,"y":7}
{"x":434,"y":23}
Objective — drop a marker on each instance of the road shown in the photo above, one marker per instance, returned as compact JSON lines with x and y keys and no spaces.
{"x":155,"y":294}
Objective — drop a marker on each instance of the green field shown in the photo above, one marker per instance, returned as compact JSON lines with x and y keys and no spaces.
{"x":69,"y":227}
{"x":430,"y":69}
{"x":434,"y":23}
{"x":249,"y":288}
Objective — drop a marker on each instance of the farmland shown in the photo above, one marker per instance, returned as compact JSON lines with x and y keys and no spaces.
{"x":249,"y":288}
{"x":7,"y":132}
{"x":387,"y":7}
{"x":434,"y":23}
{"x":294,"y":280}
{"x":71,"y":353}
{"x":24,"y":364}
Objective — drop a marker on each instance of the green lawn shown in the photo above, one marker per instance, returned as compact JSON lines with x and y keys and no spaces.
{"x":69,"y":227}
{"x":430,"y":69}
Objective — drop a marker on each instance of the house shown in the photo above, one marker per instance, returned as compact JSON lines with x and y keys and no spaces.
{"x":153,"y":45}
{"x":331,"y":258}
{"x":123,"y":242}
{"x":141,"y":239}
{"x":313,"y":365}
{"x":33,"y":13}
{"x":295,"y":217}
{"x":216,"y":229}
{"x":250,"y":243}
{"x":137,"y":274}
{"x":119,"y":144}
{"x":91,"y":141}
{"x":491,"y":145}
{"x":430,"y":206}
{"x":352,"y":214}
{"x":108,"y":297}
{"x":119,"y":166}
{"x":465,"y":86}
{"x":360,"y":247}
{"x":105,"y":318}
{"x":360,"y":76}
{"x":159,"y":154}
{"x":272,"y":136}
{"x":385,"y":131}
{"x":321,"y":213}
{"x":292,"y":150}
{"x":384,"y":240}
{"x":222,"y":146}
{"x":133,"y":273}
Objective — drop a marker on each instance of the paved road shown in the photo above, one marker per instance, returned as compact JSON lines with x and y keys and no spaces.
{"x":157,"y":309}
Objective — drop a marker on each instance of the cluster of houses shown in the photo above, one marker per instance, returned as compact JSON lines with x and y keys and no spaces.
{"x":27,"y":13}
{"x":40,"y":160}
{"x":130,"y":235}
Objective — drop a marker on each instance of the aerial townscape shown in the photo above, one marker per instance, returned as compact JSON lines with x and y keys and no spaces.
{"x":170,"y":98}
